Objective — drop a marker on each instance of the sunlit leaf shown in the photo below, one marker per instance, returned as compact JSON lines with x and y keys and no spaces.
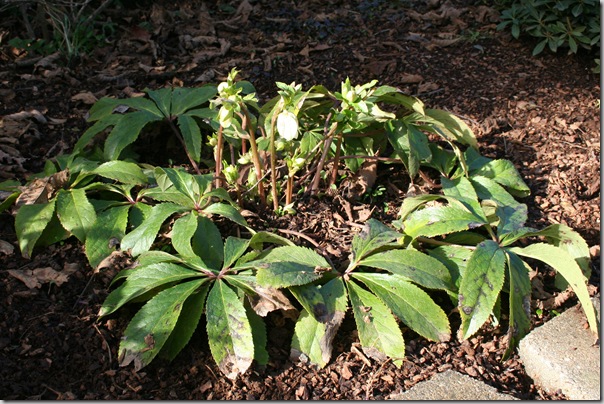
{"x":520,"y":300}
{"x":30,"y":222}
{"x":106,"y":234}
{"x":75,"y":212}
{"x":123,"y":171}
{"x":480,"y":286}
{"x":229,"y":331}
{"x":439,"y":220}
{"x":374,"y":236}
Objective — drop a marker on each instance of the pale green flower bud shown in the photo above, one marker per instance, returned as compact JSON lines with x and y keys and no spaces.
{"x":231,"y":173}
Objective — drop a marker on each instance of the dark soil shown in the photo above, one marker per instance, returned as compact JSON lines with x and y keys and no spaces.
{"x":542,"y":113}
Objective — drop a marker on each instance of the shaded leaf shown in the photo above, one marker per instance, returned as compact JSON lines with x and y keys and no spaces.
{"x":140,"y":239}
{"x":125,"y":132}
{"x":143,"y":279}
{"x":150,"y":328}
{"x":520,"y":300}
{"x":184,"y":98}
{"x":75,"y":212}
{"x":183,"y":230}
{"x":207,"y":243}
{"x":30,"y":222}
{"x":191,"y":135}
{"x":452,"y":127}
{"x":108,"y":231}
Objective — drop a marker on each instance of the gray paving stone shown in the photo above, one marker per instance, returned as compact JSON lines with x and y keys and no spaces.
{"x":562,"y":354}
{"x":451,"y":385}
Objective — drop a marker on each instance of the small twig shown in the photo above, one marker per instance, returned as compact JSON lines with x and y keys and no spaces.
{"x":83,"y":290}
{"x":371,"y":379}
{"x":105,"y":341}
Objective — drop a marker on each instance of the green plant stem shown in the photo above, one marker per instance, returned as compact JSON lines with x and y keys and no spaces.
{"x":273,"y":154}
{"x":327,"y":144}
{"x":184,"y":146}
{"x":290,"y":189}
{"x":218,"y":158}
{"x":255,"y":156}
{"x":336,"y":161}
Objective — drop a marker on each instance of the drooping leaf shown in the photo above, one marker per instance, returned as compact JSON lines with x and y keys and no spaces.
{"x":258,"y":335}
{"x":150,"y":328}
{"x":75,"y":212}
{"x":452,"y":127}
{"x":439,"y":220}
{"x":140,"y":239}
{"x":315,"y":330}
{"x":94,"y":130}
{"x":409,"y":303}
{"x":379,"y":332}
{"x":107,"y":232}
{"x":504,"y":173}
{"x":192,"y":310}
{"x":30,"y":222}
{"x":258,"y":239}
{"x":125,"y":132}
{"x":480,"y":286}
{"x":229,"y":331}
{"x":191,"y":135}
{"x":143,"y":279}
{"x":123,"y":171}
{"x":566,"y":265}
{"x":520,"y":300}
{"x":289,"y":265}
{"x":415,"y":266}
{"x":374,"y":236}
{"x":410,"y":144}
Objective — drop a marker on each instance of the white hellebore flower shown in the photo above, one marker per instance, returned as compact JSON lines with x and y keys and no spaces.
{"x":287,"y":125}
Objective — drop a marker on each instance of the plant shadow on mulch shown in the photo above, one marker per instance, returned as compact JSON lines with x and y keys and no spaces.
{"x":539,"y":112}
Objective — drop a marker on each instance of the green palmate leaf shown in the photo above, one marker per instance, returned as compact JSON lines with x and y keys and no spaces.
{"x":75,"y":212}
{"x":125,"y":132}
{"x":289,"y":265}
{"x":409,"y":303}
{"x":453,"y":128}
{"x":107,"y":232}
{"x":104,"y":107}
{"x":520,"y":300}
{"x":412,"y":203}
{"x":462,"y":190}
{"x":487,"y":189}
{"x":155,"y":257}
{"x":191,"y":135}
{"x":410,"y":144}
{"x":143,"y":279}
{"x":183,"y":230}
{"x":162,"y":99}
{"x":150,"y":328}
{"x":379,"y":332}
{"x":439,"y":220}
{"x":122,"y":171}
{"x":258,"y":239}
{"x":234,"y":248}
{"x":480,"y":286}
{"x":504,"y":173}
{"x":30,"y":222}
{"x":207,"y":242}
{"x":374,"y":236}
{"x":94,"y":130}
{"x":324,"y":310}
{"x":415,"y":266}
{"x":9,"y":201}
{"x":566,"y":265}
{"x":183,"y":182}
{"x":140,"y":239}
{"x":168,"y":195}
{"x":184,"y":99}
{"x":226,"y":210}
{"x":192,"y":310}
{"x":455,"y":258}
{"x":229,"y":331}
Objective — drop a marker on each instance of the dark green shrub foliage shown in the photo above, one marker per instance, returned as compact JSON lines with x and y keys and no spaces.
{"x":571,"y":24}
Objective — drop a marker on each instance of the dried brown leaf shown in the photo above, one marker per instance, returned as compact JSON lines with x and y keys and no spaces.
{"x":35,"y":278}
{"x":269,"y":299}
{"x":86,"y":97}
{"x":41,"y":190}
{"x":6,"y":248}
